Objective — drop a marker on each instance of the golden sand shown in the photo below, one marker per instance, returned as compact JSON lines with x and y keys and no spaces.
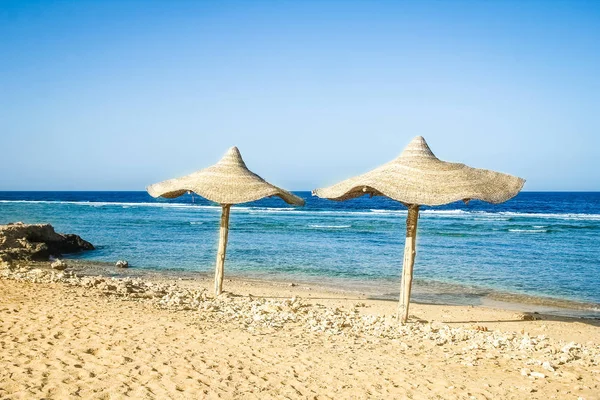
{"x":61,"y":340}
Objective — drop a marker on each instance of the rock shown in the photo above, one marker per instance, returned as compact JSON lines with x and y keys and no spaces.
{"x":480,"y":328}
{"x":5,"y":261}
{"x":22,"y":242}
{"x":526,"y":317}
{"x":122,"y":264}
{"x":537,"y":375}
{"x":569,"y":347}
{"x":547,"y":366}
{"x":59,"y":265}
{"x":525,"y":371}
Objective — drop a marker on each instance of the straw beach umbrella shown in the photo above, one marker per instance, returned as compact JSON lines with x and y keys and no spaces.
{"x":228,"y":182}
{"x":417,"y":177}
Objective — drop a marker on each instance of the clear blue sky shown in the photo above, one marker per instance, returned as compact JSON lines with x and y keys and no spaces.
{"x":115,"y":95}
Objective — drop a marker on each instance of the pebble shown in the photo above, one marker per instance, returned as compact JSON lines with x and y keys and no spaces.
{"x":59,"y":265}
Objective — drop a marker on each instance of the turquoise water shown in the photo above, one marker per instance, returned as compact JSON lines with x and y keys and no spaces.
{"x":538,"y":244}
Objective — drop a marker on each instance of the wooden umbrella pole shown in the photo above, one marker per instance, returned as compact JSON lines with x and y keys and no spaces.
{"x":223,"y":232}
{"x":409,"y":260}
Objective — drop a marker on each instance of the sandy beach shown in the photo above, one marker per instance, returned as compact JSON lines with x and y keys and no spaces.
{"x":64,"y":336}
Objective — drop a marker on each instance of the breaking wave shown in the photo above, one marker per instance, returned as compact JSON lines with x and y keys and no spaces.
{"x":529,"y":230}
{"x":477,"y":215}
{"x":329,"y":226}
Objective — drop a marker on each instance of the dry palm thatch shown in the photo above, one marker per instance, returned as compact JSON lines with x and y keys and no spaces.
{"x":227,"y":182}
{"x":417,"y":177}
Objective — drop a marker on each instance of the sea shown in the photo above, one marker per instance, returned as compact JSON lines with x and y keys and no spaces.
{"x":539,"y":250}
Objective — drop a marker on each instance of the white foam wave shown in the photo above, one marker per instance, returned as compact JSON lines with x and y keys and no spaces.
{"x":567,"y":216}
{"x":529,"y":230}
{"x":267,"y":210}
{"x":329,"y":226}
{"x":377,"y":211}
{"x":196,"y":223}
{"x":274,"y":209}
{"x":110,"y":203}
{"x":447,"y":212}
{"x":431,"y":212}
{"x":475,"y":215}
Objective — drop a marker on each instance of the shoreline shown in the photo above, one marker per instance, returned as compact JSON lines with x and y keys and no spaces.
{"x":424,"y":292}
{"x":473,"y":254}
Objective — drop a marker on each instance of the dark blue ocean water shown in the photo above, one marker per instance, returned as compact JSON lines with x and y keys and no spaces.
{"x":540,"y":244}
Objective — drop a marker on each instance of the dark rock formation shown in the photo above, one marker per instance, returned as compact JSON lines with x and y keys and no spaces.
{"x":38,"y":242}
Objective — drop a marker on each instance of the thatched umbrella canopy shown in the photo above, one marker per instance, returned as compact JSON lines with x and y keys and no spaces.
{"x":417,"y":177}
{"x":227,"y":182}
